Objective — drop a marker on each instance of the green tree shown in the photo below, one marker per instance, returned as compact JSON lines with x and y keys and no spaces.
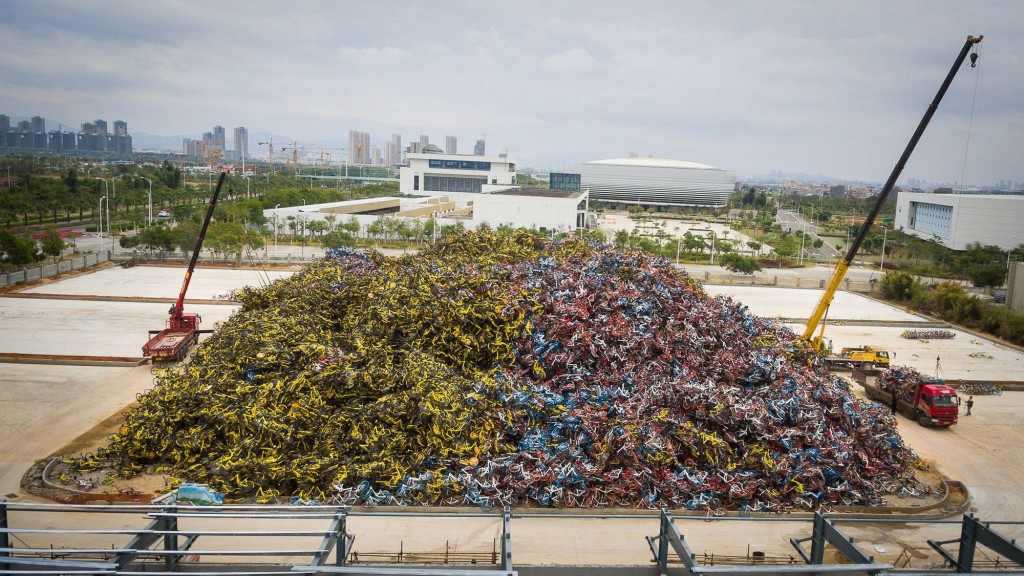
{"x":899,"y":285}
{"x":51,"y":243}
{"x":17,"y":250}
{"x":989,"y":275}
{"x":337,"y":239}
{"x":739,"y":263}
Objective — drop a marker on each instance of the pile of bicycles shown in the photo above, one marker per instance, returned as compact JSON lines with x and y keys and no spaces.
{"x":506,"y":369}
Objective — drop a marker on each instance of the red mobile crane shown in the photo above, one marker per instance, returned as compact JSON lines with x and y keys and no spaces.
{"x":182,"y":331}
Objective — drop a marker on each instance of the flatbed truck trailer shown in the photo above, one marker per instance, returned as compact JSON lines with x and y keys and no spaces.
{"x":934,"y":404}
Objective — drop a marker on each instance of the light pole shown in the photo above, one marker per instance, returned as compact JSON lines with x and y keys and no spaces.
{"x":712,"y":235}
{"x":275,"y":225}
{"x":1010,"y":251}
{"x":150,"y":199}
{"x":102,"y":199}
{"x":802,"y":237}
{"x":113,"y":193}
{"x":106,"y":191}
{"x":678,"y":239}
{"x":885,"y":231}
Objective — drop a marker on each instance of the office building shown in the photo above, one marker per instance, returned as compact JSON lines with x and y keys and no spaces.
{"x":958,"y":220}
{"x":459,"y":176}
{"x":478,"y":150}
{"x":219,"y":139}
{"x":241,"y":143}
{"x":393,"y":154}
{"x":358,"y":147}
{"x":451,"y":145}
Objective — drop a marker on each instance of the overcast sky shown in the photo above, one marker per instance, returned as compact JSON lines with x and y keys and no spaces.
{"x":835,"y":88}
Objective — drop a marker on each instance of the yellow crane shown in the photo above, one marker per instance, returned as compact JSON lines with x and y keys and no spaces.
{"x":816,"y":320}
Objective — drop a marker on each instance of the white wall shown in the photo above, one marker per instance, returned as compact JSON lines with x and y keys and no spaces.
{"x":526,"y":211}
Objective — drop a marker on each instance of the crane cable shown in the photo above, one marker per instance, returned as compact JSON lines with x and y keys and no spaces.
{"x":975,"y":54}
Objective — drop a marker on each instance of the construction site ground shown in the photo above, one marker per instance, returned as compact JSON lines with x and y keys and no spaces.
{"x":53,"y":409}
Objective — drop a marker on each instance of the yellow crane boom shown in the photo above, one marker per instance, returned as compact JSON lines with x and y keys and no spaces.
{"x":843,"y":265}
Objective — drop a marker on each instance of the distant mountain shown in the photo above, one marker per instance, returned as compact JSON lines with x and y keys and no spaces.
{"x":144,"y":141}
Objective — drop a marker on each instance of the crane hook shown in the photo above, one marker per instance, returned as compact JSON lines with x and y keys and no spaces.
{"x":974,"y":59}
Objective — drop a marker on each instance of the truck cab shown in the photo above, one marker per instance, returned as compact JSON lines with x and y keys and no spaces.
{"x":936,"y":404}
{"x":867,"y":357}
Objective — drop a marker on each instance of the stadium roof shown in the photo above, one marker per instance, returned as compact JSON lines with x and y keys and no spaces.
{"x":653,"y":163}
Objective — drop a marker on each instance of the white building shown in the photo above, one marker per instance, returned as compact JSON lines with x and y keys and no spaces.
{"x":541,"y":209}
{"x":657,"y":182}
{"x":956,"y":220}
{"x":458,"y":176}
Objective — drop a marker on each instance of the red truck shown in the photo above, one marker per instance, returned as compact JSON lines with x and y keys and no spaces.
{"x":935,"y":404}
{"x":172,"y":343}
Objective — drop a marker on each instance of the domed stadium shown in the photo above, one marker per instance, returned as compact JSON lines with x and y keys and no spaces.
{"x":657,"y":182}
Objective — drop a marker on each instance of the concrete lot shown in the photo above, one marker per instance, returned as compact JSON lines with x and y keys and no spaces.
{"x":44,"y":408}
{"x":799,"y":303}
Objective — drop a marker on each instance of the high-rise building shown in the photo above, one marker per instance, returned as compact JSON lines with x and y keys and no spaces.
{"x":358,"y":147}
{"x":38,"y":124}
{"x":451,"y":145}
{"x":393,"y":156}
{"x":101,"y":126}
{"x":120,"y":128}
{"x":241,"y":143}
{"x":219,"y":139}
{"x":478,"y":150}
{"x":5,"y":123}
{"x":375,"y":158}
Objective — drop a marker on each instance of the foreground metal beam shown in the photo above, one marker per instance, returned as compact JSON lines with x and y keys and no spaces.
{"x":393,"y":571}
{"x":506,"y":540}
{"x":824,"y":532}
{"x":972,"y":533}
{"x":336,"y":537}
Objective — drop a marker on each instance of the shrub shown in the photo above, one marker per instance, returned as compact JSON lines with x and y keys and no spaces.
{"x":899,"y":285}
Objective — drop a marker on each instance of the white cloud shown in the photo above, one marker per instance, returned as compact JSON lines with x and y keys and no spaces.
{"x":372,"y":56}
{"x":575,"y":60}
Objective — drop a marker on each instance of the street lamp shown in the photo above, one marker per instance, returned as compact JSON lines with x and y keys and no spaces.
{"x":678,"y":239}
{"x":106,"y":191}
{"x":1010,"y":251}
{"x":113,"y":191}
{"x":102,"y":198}
{"x":712,"y":235}
{"x":881,"y":265}
{"x":150,"y":199}
{"x":802,"y":237}
{"x":275,"y":224}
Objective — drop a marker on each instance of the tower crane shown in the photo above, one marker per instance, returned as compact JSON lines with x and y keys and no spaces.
{"x":817,"y":318}
{"x":270,"y":150}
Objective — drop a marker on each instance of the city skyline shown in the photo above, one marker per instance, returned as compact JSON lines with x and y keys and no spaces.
{"x":753,"y":87}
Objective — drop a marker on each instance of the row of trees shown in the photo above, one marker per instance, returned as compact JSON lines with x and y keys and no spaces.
{"x":949,"y":301}
{"x":24,"y":250}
